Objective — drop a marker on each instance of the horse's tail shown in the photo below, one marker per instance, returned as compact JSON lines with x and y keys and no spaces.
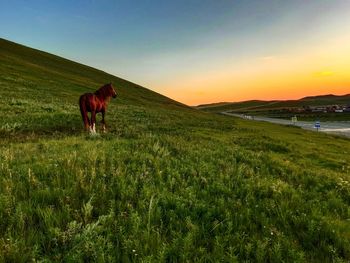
{"x":83,"y":111}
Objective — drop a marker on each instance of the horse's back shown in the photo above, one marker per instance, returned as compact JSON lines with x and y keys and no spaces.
{"x":86,"y":96}
{"x":89,"y":102}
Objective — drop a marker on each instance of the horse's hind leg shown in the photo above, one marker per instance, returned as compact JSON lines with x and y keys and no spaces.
{"x":87,"y":123}
{"x":93,"y":122}
{"x":85,"y":120}
{"x":84,"y":113}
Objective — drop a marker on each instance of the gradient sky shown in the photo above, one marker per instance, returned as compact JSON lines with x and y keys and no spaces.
{"x":197,"y":51}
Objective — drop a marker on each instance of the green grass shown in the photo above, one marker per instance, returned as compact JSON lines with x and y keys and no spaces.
{"x":167,"y":183}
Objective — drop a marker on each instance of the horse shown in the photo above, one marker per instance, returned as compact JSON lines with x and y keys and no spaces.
{"x":96,"y":102}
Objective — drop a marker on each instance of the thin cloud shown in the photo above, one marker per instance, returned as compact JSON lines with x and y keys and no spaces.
{"x":326,"y":73}
{"x":267,"y":58}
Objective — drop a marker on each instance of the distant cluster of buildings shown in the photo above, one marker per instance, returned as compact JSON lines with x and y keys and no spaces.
{"x":324,"y":109}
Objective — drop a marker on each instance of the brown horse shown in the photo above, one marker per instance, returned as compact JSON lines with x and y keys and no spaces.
{"x":95,"y":103}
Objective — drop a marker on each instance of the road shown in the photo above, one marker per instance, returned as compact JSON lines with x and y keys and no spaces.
{"x":338,"y":127}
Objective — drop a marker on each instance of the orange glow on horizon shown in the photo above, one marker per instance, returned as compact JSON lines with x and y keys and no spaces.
{"x":313,"y":71}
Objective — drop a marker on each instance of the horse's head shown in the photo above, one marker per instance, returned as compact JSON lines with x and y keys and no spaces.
{"x":112,"y":91}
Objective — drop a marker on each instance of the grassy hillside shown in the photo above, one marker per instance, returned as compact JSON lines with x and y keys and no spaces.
{"x":40,"y":92}
{"x":167,"y":183}
{"x":220,"y":107}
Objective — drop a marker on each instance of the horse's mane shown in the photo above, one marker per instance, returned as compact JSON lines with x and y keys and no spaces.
{"x":104,"y":91}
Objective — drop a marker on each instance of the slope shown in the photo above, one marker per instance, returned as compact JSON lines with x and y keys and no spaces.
{"x":40,"y":92}
{"x":167,"y":183}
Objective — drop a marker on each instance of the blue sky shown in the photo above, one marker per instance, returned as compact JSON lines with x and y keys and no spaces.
{"x":161,"y":44}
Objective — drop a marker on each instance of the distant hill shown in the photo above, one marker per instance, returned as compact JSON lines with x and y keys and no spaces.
{"x":213,"y":104}
{"x":276,"y":104}
{"x":328,"y":97}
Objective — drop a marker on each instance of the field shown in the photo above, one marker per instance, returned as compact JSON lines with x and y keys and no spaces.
{"x":319,"y":116}
{"x":280,"y":109}
{"x":309,"y":116}
{"x":167,"y":183}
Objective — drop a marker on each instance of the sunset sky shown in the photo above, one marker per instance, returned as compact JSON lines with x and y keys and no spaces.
{"x":197,"y":51}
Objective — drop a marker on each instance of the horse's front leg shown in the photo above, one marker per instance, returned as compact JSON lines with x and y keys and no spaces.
{"x":103,"y":121}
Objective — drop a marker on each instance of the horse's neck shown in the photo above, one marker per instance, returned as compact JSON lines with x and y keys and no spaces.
{"x":107,"y":99}
{"x":102,"y":97}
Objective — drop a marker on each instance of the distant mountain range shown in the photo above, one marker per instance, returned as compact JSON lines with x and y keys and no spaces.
{"x":327,"y":97}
